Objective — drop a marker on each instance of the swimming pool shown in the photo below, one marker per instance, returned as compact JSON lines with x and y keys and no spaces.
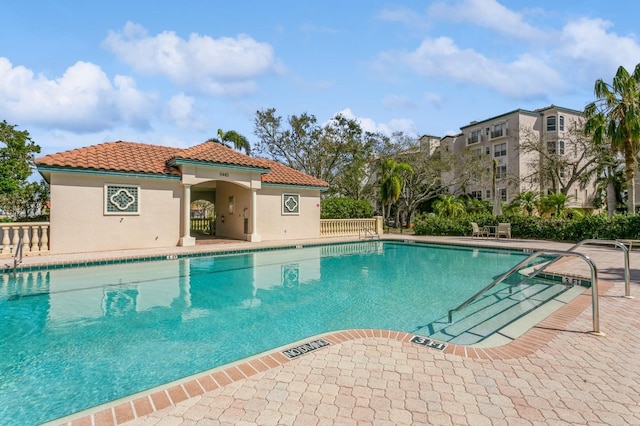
{"x":73,"y":338}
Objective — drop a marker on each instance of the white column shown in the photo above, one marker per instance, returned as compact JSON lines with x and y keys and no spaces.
{"x":186,"y":239}
{"x":254,"y":237}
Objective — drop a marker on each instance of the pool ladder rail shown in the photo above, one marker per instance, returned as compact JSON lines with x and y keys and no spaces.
{"x":17,"y":254}
{"x":366,"y":233}
{"x":560,"y":254}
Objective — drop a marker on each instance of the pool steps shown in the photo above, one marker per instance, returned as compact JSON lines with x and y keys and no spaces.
{"x":496,"y":309}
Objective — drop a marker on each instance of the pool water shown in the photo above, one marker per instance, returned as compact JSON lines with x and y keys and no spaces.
{"x":73,"y":338}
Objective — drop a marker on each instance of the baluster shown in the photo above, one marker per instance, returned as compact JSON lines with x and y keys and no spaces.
{"x":35,"y":240}
{"x":5,"y":240}
{"x":26,"y":243}
{"x":44,"y":241}
{"x":16,"y":238}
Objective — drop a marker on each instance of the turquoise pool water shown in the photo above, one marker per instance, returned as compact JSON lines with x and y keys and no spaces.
{"x":74,"y":338}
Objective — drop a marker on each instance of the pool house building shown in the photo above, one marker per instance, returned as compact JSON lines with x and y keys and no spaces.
{"x":126,"y":195}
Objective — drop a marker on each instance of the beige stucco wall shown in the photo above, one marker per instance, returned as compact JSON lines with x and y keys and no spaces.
{"x":233,"y":225}
{"x":78,"y":222}
{"x":273,"y":225}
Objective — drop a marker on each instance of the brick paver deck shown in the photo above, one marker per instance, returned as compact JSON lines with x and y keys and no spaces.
{"x":556,"y":373}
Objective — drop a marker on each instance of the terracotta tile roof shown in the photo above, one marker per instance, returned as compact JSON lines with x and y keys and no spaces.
{"x":116,"y":156}
{"x":144,"y":158}
{"x":279,"y":173}
{"x":217,"y":153}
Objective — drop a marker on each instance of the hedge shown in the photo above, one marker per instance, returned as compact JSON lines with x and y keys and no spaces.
{"x":533,"y":227}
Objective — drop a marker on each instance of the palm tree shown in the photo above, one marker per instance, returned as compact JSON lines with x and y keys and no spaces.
{"x":556,"y":203}
{"x":528,"y":201}
{"x":391,"y":181}
{"x":231,"y":136}
{"x":615,"y":116}
{"x":449,"y":206}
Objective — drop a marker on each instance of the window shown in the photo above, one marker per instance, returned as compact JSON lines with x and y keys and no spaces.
{"x":488,"y":193}
{"x":500,"y":150}
{"x":551,"y":123}
{"x":121,"y":200}
{"x":499,"y":130}
{"x":561,"y":123}
{"x":475,"y":137}
{"x":501,"y":172}
{"x":555,"y":147}
{"x":502,"y":192}
{"x":477,"y":152}
{"x":487,"y":150}
{"x":476,"y":194}
{"x":291,"y":204}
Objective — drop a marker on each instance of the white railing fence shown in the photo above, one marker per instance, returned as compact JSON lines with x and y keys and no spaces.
{"x":203,"y":226}
{"x":350,"y":227}
{"x":35,"y":238}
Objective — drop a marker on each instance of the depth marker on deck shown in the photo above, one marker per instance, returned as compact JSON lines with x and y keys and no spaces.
{"x":305,"y":348}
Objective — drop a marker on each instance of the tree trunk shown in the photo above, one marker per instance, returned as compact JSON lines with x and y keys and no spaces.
{"x":611,"y":197}
{"x":630,"y":173}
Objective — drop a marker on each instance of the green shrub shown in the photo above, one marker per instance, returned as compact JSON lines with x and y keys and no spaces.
{"x":533,"y":227}
{"x":345,"y":208}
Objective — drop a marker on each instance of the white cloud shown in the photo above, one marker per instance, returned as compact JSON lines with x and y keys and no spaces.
{"x":223,"y":66}
{"x":369,"y":125}
{"x":587,"y":46}
{"x":179,"y":110}
{"x":404,"y":16}
{"x":525,"y":77}
{"x":83,"y":99}
{"x":489,"y":14}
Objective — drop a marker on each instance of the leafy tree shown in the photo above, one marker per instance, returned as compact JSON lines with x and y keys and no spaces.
{"x":449,"y":206}
{"x":345,"y":208}
{"x":392,"y":175}
{"x":232,"y":137}
{"x":433,"y":169}
{"x":337,"y":153}
{"x":16,"y":158}
{"x":615,"y":116}
{"x":28,"y":201}
{"x":561,"y":163}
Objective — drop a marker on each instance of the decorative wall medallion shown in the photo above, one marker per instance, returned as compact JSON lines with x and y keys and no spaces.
{"x":291,"y":204}
{"x":121,"y":199}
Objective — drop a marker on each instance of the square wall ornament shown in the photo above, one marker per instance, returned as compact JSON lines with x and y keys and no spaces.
{"x":121,"y":199}
{"x":290,"y":204}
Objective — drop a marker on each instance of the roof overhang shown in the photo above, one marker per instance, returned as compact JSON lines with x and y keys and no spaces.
{"x":285,"y":185}
{"x":184,"y":161}
{"x":46,"y":171}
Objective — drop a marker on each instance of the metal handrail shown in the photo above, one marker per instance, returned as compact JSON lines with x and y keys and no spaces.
{"x":594,"y":283}
{"x":17,"y":254}
{"x":367,"y":233}
{"x":625,"y":251}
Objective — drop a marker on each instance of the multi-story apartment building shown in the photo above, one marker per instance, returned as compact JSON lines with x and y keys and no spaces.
{"x":511,"y":139}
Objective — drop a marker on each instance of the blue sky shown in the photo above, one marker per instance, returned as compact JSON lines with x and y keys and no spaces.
{"x":76,"y":73}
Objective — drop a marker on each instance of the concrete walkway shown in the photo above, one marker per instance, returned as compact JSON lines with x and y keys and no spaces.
{"x":556,"y":373}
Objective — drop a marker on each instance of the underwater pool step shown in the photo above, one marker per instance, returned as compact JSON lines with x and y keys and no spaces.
{"x":493,"y":312}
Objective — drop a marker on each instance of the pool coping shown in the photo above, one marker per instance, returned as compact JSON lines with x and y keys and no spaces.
{"x":174,"y":253}
{"x":158,"y":398}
